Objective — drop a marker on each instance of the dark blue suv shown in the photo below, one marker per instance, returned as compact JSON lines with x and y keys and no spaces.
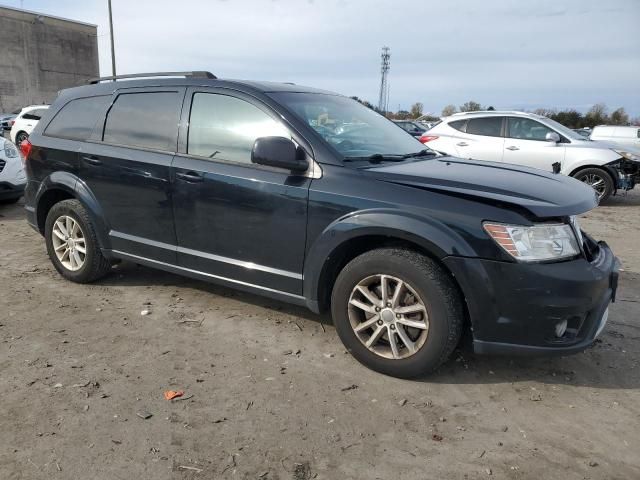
{"x":312,"y":198}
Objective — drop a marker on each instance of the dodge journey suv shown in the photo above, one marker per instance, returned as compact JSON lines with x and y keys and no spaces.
{"x":311,"y":198}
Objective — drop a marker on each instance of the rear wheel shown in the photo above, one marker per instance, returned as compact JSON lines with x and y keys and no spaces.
{"x":72,"y":243}
{"x":599,"y":180}
{"x":397,"y":312}
{"x":21,"y":137}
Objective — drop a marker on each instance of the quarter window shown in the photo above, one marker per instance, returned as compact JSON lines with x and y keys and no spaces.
{"x":225,"y":128}
{"x":147,"y":120}
{"x":458,"y":125}
{"x":77,"y":118}
{"x":34,"y":114}
{"x":527,"y":129}
{"x":488,"y":126}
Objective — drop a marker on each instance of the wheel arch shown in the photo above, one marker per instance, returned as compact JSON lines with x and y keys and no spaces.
{"x":342,"y":242}
{"x":61,"y":186}
{"x":610,"y":170}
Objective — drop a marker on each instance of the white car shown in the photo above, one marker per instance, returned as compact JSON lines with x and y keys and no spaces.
{"x":536,"y":141}
{"x":617,"y":134}
{"x":12,"y":175}
{"x":25,"y":122}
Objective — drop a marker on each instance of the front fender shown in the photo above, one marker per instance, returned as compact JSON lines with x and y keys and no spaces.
{"x":433,"y":236}
{"x":71,"y":184}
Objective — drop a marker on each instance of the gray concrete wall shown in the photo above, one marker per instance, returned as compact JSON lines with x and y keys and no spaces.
{"x":40,"y":55}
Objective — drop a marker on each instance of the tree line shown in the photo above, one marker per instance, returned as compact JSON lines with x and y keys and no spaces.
{"x":598,"y":114}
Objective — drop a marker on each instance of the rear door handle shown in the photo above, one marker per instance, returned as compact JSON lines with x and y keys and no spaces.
{"x":513,"y":148}
{"x":190,"y":177}
{"x":462,"y":144}
{"x":92,"y":160}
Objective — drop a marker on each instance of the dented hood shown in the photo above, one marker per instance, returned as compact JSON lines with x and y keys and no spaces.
{"x":543,"y":194}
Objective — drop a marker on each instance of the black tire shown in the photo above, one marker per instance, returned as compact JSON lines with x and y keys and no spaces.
{"x":435,"y":287}
{"x":95,"y":264}
{"x":21,"y":137}
{"x":593,"y":174}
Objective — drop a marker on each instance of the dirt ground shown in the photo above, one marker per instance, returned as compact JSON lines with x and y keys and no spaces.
{"x":270,"y":393}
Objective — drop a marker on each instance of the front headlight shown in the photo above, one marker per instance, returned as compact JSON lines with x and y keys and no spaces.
{"x":535,"y":243}
{"x":9,"y":150}
{"x":628,"y":155}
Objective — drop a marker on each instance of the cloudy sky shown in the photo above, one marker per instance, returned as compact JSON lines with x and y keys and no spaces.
{"x":505,"y":53}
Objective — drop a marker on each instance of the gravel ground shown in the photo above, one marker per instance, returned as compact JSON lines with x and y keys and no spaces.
{"x":271,"y":394}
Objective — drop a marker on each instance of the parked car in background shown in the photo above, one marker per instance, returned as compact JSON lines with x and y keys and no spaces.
{"x":258,"y":186}
{"x":25,"y":122}
{"x":584,"y":132}
{"x":414,"y":128}
{"x":617,"y":134}
{"x":12,"y":176}
{"x":536,"y":141}
{"x":7,"y":119}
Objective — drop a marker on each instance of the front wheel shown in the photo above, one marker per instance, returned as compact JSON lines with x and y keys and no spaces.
{"x":599,"y":180}
{"x":397,"y":312}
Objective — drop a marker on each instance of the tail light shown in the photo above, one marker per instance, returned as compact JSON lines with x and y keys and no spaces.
{"x":25,"y":149}
{"x":11,"y":122}
{"x":427,"y":138}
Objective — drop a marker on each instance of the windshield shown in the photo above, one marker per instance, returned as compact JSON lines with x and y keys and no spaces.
{"x":567,"y":132}
{"x":349,"y":127}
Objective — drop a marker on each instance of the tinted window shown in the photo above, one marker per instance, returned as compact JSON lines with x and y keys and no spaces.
{"x":527,"y":129}
{"x":489,"y":126}
{"x":148,"y":120}
{"x":458,"y":125}
{"x":77,"y":118}
{"x":34,"y":114}
{"x":224,"y":127}
{"x":638,"y":133}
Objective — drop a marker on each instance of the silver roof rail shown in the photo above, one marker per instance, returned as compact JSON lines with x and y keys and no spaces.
{"x":196,"y":74}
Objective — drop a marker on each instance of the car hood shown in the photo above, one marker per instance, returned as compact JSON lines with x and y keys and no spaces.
{"x":543,"y":194}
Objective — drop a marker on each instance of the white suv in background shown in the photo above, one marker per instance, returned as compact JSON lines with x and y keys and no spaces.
{"x":12,"y":175}
{"x":617,"y":134}
{"x":536,"y":141}
{"x":25,"y":122}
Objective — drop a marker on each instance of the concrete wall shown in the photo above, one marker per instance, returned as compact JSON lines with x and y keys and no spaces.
{"x":40,"y":55}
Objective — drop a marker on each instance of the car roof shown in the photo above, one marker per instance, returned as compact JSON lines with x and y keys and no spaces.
{"x":108,"y":87}
{"x":490,"y":113}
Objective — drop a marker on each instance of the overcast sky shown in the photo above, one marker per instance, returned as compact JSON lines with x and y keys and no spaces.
{"x":505,"y":53}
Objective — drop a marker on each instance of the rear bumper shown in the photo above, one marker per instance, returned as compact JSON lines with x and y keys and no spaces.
{"x":514,"y":307}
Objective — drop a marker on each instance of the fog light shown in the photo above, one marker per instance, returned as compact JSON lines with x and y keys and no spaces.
{"x":561,"y":328}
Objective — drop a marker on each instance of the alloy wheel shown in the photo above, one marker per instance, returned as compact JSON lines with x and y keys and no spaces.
{"x":69,"y":243}
{"x":388,"y":316}
{"x":596,"y":182}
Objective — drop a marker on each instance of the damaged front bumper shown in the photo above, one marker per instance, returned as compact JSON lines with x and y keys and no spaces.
{"x":538,"y":309}
{"x":627,"y":173}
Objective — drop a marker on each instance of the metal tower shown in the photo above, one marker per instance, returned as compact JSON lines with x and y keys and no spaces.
{"x":383,"y":100}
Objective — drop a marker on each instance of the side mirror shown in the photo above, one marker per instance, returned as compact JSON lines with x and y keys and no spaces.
{"x":552,"y":137}
{"x":278,"y":152}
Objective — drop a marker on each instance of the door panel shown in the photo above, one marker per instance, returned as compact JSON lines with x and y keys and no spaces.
{"x":482,"y":140}
{"x":234,"y":219}
{"x":526,"y":145}
{"x":133,"y":190}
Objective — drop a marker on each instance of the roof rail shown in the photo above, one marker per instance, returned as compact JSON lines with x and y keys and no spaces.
{"x":196,"y":74}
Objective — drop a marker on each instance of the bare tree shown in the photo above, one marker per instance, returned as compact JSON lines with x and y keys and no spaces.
{"x":470,"y":106}
{"x":619,"y":117}
{"x":449,"y":110}
{"x":416,"y":109}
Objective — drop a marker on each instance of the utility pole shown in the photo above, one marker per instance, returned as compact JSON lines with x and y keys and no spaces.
{"x":383,"y":99}
{"x":113,"y":51}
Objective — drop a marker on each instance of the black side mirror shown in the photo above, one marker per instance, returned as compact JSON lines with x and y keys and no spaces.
{"x":278,"y":152}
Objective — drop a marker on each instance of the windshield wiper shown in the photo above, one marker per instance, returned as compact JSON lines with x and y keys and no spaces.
{"x":376,"y":158}
{"x":421,"y":153}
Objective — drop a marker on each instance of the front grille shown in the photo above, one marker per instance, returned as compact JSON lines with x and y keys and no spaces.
{"x":2,"y":164}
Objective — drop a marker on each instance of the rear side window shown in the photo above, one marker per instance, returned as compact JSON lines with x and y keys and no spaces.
{"x":224,"y":127}
{"x":147,"y":120}
{"x":34,"y":114}
{"x":488,"y":126}
{"x":458,"y":125}
{"x":77,"y":118}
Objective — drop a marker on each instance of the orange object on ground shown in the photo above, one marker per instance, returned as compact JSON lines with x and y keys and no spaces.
{"x":171,"y":394}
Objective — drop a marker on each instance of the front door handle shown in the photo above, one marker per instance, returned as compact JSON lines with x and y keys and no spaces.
{"x":190,"y":177}
{"x":462,"y":144}
{"x":92,"y":160}
{"x":513,"y":148}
